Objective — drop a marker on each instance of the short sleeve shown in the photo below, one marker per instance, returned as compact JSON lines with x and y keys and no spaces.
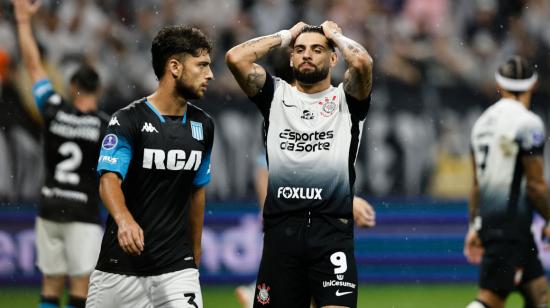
{"x":44,"y":95}
{"x":358,"y":108}
{"x":203,"y":175}
{"x":264,"y":97}
{"x":116,"y":147}
{"x":531,"y":137}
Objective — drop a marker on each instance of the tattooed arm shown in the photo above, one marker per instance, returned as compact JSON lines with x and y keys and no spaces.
{"x":358,"y":76}
{"x":242,"y":58}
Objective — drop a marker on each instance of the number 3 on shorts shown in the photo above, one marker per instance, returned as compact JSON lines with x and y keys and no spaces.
{"x":191,"y":300}
{"x":338,"y":259}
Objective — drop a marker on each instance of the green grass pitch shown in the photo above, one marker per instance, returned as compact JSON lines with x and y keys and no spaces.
{"x":375,"y":296}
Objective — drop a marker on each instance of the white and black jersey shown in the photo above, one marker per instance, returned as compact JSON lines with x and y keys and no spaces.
{"x":503,"y":134}
{"x":71,"y":143}
{"x":311,"y":144}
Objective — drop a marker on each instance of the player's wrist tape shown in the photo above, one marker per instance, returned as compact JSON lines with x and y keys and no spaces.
{"x":286,"y":37}
{"x":475,"y":224}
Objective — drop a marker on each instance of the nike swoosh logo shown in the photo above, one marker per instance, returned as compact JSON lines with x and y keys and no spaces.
{"x":289,"y":105}
{"x":338,"y":293}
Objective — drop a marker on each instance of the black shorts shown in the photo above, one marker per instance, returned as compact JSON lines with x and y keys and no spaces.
{"x":302,"y":261}
{"x":507,"y":265}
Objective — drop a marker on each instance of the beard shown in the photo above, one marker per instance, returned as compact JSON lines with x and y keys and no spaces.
{"x":185,"y":90}
{"x":311,"y":77}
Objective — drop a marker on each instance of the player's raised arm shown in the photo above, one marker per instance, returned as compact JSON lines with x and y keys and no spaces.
{"x":242,"y":58}
{"x":24,"y":10}
{"x":358,"y":76}
{"x":130,"y":234}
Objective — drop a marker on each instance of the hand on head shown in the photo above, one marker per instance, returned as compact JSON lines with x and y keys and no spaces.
{"x":296,"y":29}
{"x":330,"y":28}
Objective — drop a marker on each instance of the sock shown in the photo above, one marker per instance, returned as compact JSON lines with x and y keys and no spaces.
{"x":48,"y":302}
{"x":478,"y":304}
{"x":76,"y":302}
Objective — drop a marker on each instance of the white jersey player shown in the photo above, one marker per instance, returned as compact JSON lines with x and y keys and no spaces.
{"x":507,"y":144}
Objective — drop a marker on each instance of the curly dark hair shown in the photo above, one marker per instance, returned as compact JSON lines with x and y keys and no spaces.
{"x":174,"y":40}
{"x":317,"y":29}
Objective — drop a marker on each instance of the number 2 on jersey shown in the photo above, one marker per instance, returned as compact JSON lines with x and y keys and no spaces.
{"x":484,"y":149}
{"x":65,"y":169}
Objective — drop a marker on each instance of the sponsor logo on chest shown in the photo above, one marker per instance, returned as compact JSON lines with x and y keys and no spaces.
{"x":171,"y":160}
{"x":305,"y":142}
{"x":307,"y":193}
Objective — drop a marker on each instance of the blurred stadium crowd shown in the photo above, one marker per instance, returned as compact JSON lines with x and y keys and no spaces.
{"x":434,"y":74}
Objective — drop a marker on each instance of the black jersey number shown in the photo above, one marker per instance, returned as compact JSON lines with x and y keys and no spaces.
{"x":65,"y":169}
{"x":484,"y":151}
{"x":191,"y":300}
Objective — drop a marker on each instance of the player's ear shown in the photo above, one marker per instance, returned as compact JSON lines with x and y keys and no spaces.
{"x":333,"y":59}
{"x":174,"y":67}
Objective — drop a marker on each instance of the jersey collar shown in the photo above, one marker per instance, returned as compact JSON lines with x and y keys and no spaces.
{"x":161,"y":118}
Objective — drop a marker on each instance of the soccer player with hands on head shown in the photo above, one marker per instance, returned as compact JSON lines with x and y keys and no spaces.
{"x":312,"y":131}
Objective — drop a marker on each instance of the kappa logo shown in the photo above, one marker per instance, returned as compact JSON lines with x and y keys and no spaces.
{"x":114,"y":121}
{"x":338,"y":293}
{"x":148,"y":127}
{"x":263,"y":294}
{"x":299,"y":193}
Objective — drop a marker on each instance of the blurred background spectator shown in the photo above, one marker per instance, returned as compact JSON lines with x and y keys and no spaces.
{"x":434,"y":74}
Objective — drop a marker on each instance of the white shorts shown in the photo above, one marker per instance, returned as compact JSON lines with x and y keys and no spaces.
{"x":171,"y":290}
{"x":67,"y":248}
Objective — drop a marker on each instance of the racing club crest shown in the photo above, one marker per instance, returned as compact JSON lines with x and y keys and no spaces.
{"x":263,"y":294}
{"x":328,"y":106}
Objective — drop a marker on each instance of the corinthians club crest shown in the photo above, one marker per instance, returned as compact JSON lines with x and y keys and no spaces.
{"x":328,"y":106}
{"x":263,"y":294}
